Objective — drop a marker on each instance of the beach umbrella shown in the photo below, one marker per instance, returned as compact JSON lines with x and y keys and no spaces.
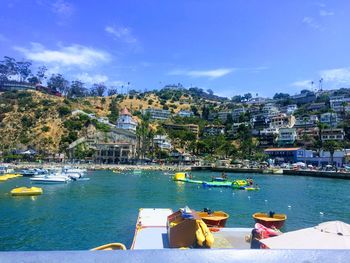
{"x":328,"y":235}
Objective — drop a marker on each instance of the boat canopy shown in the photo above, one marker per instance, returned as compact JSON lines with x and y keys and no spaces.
{"x":328,"y":235}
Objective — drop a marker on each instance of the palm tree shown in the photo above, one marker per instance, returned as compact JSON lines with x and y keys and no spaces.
{"x":331,"y":146}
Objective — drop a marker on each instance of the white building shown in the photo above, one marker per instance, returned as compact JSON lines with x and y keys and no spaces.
{"x":269,"y":131}
{"x":158,"y":114}
{"x":306,"y":121}
{"x":340,"y":103}
{"x":332,"y":135}
{"x":291,"y":108}
{"x":287,"y":136}
{"x":282,"y":121}
{"x":125,"y":121}
{"x":329,"y":118}
{"x":163,"y":142}
{"x":185,"y":113}
{"x":270,"y":110}
{"x":214,"y":130}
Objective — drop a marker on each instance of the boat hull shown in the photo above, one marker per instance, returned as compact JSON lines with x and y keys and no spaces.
{"x":24,"y":191}
{"x":277,"y":221}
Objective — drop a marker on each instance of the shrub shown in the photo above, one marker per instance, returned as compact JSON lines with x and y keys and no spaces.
{"x":150,"y":102}
{"x":45,"y":128}
{"x":63,"y":111}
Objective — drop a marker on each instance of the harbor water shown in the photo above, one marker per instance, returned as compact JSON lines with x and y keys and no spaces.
{"x":85,"y":214}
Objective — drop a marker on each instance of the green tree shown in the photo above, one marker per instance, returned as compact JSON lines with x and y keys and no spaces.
{"x":58,"y":82}
{"x":331,"y":146}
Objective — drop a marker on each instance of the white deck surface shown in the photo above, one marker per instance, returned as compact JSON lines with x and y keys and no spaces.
{"x":149,"y":217}
{"x":152,"y":231}
{"x":151,"y":238}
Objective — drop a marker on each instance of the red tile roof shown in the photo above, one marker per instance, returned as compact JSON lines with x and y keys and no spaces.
{"x":125,"y":112}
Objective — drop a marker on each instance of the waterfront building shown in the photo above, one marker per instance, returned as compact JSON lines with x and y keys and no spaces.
{"x":194,"y":128}
{"x":340,"y":103}
{"x":181,"y":157}
{"x":163,"y":142}
{"x":330,"y":118}
{"x":306,"y":121}
{"x":282,"y":121}
{"x":158,"y":114}
{"x":288,"y":155}
{"x":286,"y":136}
{"x":332,"y":134}
{"x":185,"y":113}
{"x":214,"y":130}
{"x":125,"y":121}
{"x":304,"y":97}
{"x":114,"y":147}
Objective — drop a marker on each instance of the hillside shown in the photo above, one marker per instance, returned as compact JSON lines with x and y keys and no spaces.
{"x":31,"y":119}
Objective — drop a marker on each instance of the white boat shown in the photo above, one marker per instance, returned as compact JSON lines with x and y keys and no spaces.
{"x":73,"y":173}
{"x":56,"y":178}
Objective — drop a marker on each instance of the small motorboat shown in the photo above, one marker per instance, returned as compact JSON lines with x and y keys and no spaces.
{"x":110,"y":246}
{"x":26,"y":191}
{"x":51,"y":179}
{"x":213,"y":219}
{"x":270,"y":220}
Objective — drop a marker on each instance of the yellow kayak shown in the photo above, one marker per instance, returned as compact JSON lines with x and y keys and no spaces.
{"x":110,"y":246}
{"x":26,"y":191}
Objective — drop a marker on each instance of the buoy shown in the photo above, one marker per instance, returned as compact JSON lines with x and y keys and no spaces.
{"x":321,"y":213}
{"x":265,"y":200}
{"x":289,"y":206}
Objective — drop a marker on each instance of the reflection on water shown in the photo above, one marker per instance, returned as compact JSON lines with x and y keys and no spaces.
{"x":85,"y":214}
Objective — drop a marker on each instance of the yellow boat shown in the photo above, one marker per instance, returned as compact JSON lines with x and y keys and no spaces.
{"x":3,"y":178}
{"x":110,"y":246}
{"x":26,"y":191}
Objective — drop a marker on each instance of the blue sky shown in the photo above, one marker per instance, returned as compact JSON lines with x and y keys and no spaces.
{"x":231,"y":47}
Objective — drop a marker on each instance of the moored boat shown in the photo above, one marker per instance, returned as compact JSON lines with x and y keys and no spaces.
{"x":270,"y":220}
{"x":51,"y":179}
{"x":26,"y":191}
{"x":213,"y":219}
{"x":110,"y":246}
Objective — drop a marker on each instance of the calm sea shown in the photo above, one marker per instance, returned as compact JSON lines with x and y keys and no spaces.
{"x":82,"y":215}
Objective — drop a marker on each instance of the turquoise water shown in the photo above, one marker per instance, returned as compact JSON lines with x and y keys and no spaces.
{"x":82,"y":215}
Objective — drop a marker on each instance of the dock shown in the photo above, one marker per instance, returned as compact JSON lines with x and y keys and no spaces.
{"x":319,"y":174}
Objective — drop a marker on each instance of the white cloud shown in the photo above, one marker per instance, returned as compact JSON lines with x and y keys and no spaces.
{"x":214,"y":73}
{"x":337,"y":76}
{"x":123,"y":34}
{"x":326,"y":13}
{"x":302,"y":83}
{"x":309,"y":21}
{"x":91,"y":79}
{"x":74,"y":55}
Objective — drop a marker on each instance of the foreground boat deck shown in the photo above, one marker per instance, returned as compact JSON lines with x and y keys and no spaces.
{"x":151,"y":232}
